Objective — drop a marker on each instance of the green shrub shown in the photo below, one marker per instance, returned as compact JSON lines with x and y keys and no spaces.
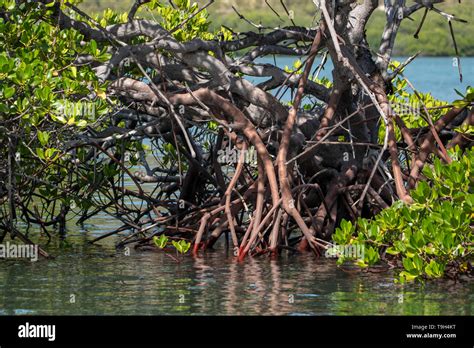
{"x":429,"y":238}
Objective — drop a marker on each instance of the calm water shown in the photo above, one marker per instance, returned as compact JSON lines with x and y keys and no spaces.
{"x":105,"y":281}
{"x":436,"y":75}
{"x":102,"y":280}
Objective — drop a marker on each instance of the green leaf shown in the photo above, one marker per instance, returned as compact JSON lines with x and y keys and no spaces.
{"x":407,"y":277}
{"x":392,"y":251}
{"x":176,"y":245}
{"x":459,"y":93}
{"x":81,"y":123}
{"x":361,"y":264}
{"x":161,"y":241}
{"x":434,"y":269}
{"x":407,"y":264}
{"x":10,"y":4}
{"x":213,"y":125}
{"x":371,"y":256}
{"x":185,"y":246}
{"x":40,"y":153}
{"x":460,"y":103}
{"x":8,"y":92}
{"x":49,"y":153}
{"x":43,"y":137}
{"x":93,"y":46}
{"x":346,"y":226}
{"x":182,"y":246}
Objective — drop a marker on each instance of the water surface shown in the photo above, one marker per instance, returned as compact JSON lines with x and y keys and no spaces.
{"x":437,"y":75}
{"x":104,"y":281}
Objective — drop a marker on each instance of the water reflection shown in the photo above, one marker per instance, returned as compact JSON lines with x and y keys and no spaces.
{"x":103,"y":281}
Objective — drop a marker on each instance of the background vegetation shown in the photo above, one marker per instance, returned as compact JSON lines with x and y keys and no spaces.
{"x":434,"y":39}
